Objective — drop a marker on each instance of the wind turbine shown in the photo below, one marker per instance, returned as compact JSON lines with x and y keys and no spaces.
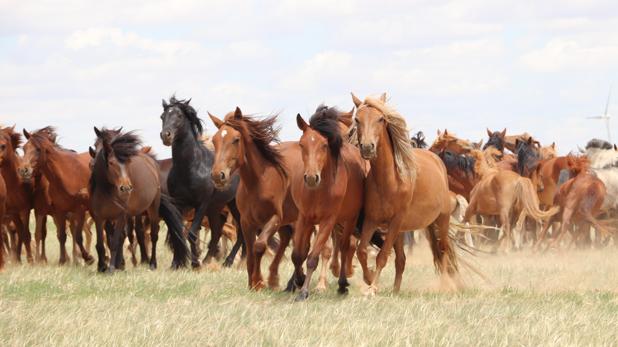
{"x":606,"y":116}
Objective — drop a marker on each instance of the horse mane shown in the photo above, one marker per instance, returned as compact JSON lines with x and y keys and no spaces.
{"x":48,"y":131}
{"x":264,"y":133}
{"x":98,"y":177}
{"x":599,"y":144}
{"x":124,"y":146}
{"x":13,"y":136}
{"x":601,"y":154}
{"x":462,"y":162}
{"x":190,"y":113}
{"x":325,"y":120}
{"x":481,"y":164}
{"x":418,"y":140}
{"x":496,"y":141}
{"x":527,"y":156}
{"x":400,"y":137}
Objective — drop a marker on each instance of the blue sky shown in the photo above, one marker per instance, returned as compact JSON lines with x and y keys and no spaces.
{"x":533,"y":66}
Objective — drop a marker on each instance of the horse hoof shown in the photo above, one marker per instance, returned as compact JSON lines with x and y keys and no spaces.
{"x":228,"y":263}
{"x":153,"y":266}
{"x":372,"y":291}
{"x":102,"y":268}
{"x":302,"y":296}
{"x":110,"y":270}
{"x":195,"y":265}
{"x":89,"y":260}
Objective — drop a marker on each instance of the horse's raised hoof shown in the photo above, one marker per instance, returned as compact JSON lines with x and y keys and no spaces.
{"x":228,"y":262}
{"x":302,"y":296}
{"x":88,"y":259}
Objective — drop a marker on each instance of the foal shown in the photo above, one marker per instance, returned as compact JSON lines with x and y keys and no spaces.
{"x":329,"y":192}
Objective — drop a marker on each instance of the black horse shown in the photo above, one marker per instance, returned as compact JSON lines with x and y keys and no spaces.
{"x":189,"y":182}
{"x":528,"y":156}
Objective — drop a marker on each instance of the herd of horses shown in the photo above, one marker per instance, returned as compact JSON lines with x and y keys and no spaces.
{"x":353,"y":180}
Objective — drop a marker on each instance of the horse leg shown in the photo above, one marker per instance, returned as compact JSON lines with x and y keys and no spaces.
{"x":79,"y":239}
{"x":326,"y":255}
{"x":25,"y":236}
{"x":260,"y":246}
{"x":249,"y":232}
{"x":154,"y":237}
{"x":400,"y":262}
{"x":335,"y":266}
{"x":391,"y":235}
{"x":88,"y":233}
{"x":216,"y":221}
{"x":100,"y":246}
{"x":302,"y":242}
{"x":361,"y":251}
{"x":40,"y":233}
{"x":140,"y":234}
{"x":194,"y":233}
{"x":541,"y":237}
{"x":131,"y":236}
{"x":61,"y":225}
{"x":240,"y":240}
{"x":344,"y":245}
{"x":566,"y":222}
{"x":285,"y":234}
{"x":323,"y":234}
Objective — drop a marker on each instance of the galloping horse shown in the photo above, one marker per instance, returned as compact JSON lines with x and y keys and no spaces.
{"x":19,"y":195}
{"x":580,"y":200}
{"x":189,"y":181}
{"x":245,"y":145}
{"x":406,"y":189}
{"x":125,"y":183}
{"x":67,"y":173}
{"x":328,"y":192}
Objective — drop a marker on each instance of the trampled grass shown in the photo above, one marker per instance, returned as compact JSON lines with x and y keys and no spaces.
{"x":561,"y":298}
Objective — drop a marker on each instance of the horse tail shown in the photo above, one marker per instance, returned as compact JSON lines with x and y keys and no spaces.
{"x":529,"y":200}
{"x":175,"y":234}
{"x":444,"y":255}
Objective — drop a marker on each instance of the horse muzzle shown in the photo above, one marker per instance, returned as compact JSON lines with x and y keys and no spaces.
{"x":167,"y":137}
{"x":312,"y":181}
{"x":221,"y":179}
{"x":126,"y":189}
{"x":25,"y":174}
{"x":368,"y":151}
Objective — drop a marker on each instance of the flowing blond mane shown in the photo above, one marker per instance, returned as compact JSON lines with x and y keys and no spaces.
{"x":400,"y":137}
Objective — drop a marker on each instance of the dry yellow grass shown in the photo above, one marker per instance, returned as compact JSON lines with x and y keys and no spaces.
{"x":560,"y":299}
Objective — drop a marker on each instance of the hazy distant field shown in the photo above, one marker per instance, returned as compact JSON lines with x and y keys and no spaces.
{"x":558,"y":299}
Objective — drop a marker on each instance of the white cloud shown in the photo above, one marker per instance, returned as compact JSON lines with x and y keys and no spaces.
{"x":563,"y":53}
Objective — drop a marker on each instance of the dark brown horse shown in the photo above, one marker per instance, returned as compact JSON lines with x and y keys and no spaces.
{"x":125,"y":183}
{"x":67,"y":173}
{"x":328,"y":192}
{"x":19,"y":194}
{"x":247,"y":146}
{"x":406,"y":189}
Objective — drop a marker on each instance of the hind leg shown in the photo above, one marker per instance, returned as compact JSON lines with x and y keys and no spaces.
{"x":240,"y":240}
{"x":302,"y":243}
{"x":400,"y":262}
{"x":285,"y":234}
{"x":131,"y":236}
{"x":215,"y":220}
{"x":346,"y":252}
{"x":79,"y":239}
{"x":40,"y":234}
{"x":154,"y":238}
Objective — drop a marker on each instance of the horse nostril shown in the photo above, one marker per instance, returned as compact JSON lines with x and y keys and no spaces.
{"x":222,"y":175}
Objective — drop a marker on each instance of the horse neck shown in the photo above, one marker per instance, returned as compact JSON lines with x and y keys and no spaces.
{"x":383,"y":165}
{"x":9,"y":170}
{"x":253,"y":163}
{"x":482,"y":167}
{"x":186,"y":149}
{"x":58,"y":162}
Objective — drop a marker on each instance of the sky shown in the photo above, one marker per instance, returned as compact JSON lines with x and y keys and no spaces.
{"x":535,"y":66}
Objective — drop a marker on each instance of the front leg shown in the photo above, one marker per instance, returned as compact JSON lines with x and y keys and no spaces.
{"x":100,"y":246}
{"x":216,"y":221}
{"x":240,"y":240}
{"x":369,"y":229}
{"x":79,"y":239}
{"x":392,"y":233}
{"x":194,"y":231}
{"x":301,"y":243}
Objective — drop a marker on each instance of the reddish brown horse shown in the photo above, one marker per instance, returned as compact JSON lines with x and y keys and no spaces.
{"x":406,"y":189}
{"x":67,"y":173}
{"x":245,"y":145}
{"x":125,"y":183}
{"x":19,"y":194}
{"x":328,"y":192}
{"x":580,"y":200}
{"x":3,"y":148}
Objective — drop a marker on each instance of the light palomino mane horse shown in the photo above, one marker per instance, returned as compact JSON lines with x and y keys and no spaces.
{"x":604,"y":163}
{"x":405,"y":189}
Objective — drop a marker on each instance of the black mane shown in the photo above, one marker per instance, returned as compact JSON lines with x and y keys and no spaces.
{"x":189,"y":112}
{"x":454,"y":161}
{"x":125,"y":146}
{"x":418,"y":140}
{"x":325,"y":120}
{"x":598,"y":143}
{"x":528,"y":157}
{"x":496,"y":141}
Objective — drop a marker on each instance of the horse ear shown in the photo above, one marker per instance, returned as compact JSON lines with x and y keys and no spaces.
{"x":216,"y":121}
{"x":302,"y":125}
{"x":357,"y":101}
{"x":489,"y":133}
{"x":445,"y":132}
{"x":97,"y":131}
{"x":187,"y":102}
{"x":439,"y":133}
{"x":553,"y":145}
{"x":383,"y":97}
{"x":503,"y":133}
{"x":237,"y":113}
{"x":92,"y":152}
{"x":530,"y":140}
{"x":26,"y":134}
{"x":615,"y":147}
{"x":164,"y":103}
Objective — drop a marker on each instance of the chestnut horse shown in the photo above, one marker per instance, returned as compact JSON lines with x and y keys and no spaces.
{"x":580,"y":199}
{"x":247,"y":146}
{"x":448,"y":141}
{"x":67,"y":173}
{"x":3,"y":148}
{"x":19,"y":194}
{"x":125,"y":183}
{"x":328,"y":191}
{"x":406,"y":189}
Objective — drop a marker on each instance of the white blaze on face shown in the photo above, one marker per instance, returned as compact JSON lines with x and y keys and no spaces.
{"x":312,"y":138}
{"x":224,"y":133}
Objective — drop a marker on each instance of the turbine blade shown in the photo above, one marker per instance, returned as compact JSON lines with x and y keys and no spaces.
{"x":608,"y":98}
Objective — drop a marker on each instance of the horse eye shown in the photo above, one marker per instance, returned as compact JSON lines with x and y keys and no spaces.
{"x":382,"y":120}
{"x":2,"y":147}
{"x":236,"y":140}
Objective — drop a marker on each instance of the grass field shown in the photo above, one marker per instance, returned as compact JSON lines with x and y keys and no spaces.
{"x":567,"y":298}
